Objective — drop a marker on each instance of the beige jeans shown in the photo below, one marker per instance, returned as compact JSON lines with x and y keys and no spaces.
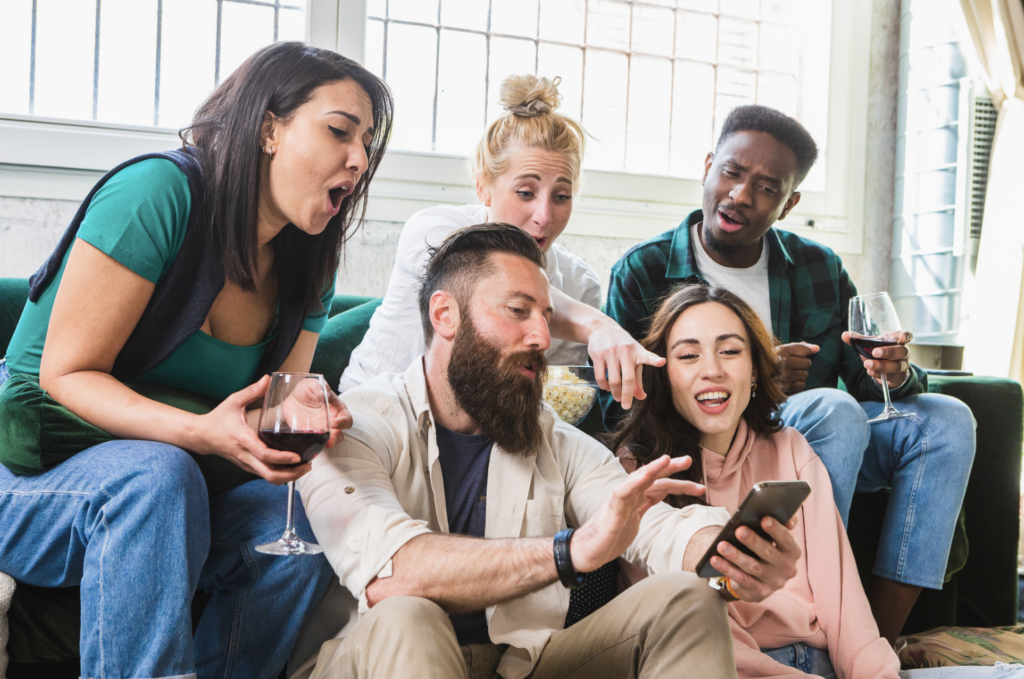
{"x":670,"y":625}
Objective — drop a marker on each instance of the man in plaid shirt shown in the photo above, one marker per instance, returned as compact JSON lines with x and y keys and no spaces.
{"x":801,"y":291}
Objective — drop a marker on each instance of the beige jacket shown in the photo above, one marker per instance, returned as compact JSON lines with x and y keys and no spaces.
{"x":382,"y":486}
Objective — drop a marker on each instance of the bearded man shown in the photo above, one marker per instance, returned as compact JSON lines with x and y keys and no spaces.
{"x":445,"y":509}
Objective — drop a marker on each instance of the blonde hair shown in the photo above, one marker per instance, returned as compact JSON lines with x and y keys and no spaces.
{"x":530,"y":120}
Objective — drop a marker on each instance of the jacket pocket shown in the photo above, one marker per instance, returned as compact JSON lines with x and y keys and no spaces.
{"x":543,"y":517}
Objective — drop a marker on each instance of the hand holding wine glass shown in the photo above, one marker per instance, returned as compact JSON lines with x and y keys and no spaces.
{"x":296,"y":417}
{"x":876,"y":334}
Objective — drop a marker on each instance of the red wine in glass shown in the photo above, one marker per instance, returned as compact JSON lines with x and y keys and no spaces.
{"x":866,"y":345}
{"x":306,"y":444}
{"x":873,"y":324}
{"x":296,"y":419}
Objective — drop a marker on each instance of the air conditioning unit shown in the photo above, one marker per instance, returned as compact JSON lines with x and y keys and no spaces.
{"x":975,"y":148}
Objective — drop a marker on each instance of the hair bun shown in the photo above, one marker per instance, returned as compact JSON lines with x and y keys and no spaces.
{"x":527,"y":96}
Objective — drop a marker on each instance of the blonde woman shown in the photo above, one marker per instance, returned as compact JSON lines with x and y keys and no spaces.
{"x":527,"y":172}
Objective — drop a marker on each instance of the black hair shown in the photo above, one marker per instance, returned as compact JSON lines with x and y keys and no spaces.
{"x":786,"y":131}
{"x":225,"y":135}
{"x":463,"y":258}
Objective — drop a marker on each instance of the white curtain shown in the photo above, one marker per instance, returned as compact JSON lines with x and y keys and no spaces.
{"x":995,"y":329}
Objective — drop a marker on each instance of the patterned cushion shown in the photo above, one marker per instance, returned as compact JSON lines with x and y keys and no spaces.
{"x":956,"y":646}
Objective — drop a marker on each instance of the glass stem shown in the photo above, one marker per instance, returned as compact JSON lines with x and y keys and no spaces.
{"x":885,"y":392}
{"x":289,"y":528}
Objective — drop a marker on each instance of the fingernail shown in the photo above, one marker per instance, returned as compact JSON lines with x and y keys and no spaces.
{"x":769,"y":523}
{"x":741,"y":533}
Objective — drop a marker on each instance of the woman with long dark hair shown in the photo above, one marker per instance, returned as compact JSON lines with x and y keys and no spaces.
{"x":186,"y":277}
{"x":716,"y":400}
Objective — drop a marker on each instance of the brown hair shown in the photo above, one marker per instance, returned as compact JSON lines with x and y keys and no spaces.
{"x":531,"y":121}
{"x":463,"y":258}
{"x":654,"y":426}
{"x":225,"y":135}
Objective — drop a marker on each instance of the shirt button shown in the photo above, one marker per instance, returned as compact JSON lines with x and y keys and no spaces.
{"x":349,"y":490}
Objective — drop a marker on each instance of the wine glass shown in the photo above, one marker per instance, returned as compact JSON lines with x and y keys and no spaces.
{"x":874,"y":324}
{"x":295,"y":417}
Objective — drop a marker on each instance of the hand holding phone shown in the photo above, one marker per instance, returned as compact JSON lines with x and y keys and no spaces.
{"x":755,"y":548}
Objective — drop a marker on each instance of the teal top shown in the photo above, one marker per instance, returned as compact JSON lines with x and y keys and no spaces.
{"x":139,"y":218}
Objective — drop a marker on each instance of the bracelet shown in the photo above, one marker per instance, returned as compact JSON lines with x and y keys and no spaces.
{"x":723,"y":586}
{"x":563,"y":561}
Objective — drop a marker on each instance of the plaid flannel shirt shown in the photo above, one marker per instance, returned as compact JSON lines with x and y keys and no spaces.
{"x":810,"y":297}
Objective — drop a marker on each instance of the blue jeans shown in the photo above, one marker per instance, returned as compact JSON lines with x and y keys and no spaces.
{"x":813,"y":661}
{"x":131,"y":524}
{"x":835,"y":425}
{"x":925,"y":459}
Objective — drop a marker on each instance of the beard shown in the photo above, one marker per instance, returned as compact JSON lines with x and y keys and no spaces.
{"x":503,"y":402}
{"x":714,"y":244}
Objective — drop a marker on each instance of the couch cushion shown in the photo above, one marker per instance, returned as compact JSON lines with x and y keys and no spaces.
{"x":959,"y":646}
{"x":341,"y":335}
{"x":13,"y":295}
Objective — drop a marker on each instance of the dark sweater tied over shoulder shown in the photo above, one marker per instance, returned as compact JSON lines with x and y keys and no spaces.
{"x":184,"y":295}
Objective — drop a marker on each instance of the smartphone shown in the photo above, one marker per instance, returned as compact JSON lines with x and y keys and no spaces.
{"x":777,"y":499}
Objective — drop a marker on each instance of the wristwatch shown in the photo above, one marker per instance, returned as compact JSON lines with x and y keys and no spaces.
{"x":563,"y":561}
{"x":724,"y":587}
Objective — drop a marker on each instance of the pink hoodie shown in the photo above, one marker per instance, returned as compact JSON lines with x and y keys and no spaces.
{"x":824,"y":606}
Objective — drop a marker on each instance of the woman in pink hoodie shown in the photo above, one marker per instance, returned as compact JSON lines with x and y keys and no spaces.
{"x":715,"y":400}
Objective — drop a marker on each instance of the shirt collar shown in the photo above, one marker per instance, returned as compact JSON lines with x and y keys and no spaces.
{"x":681,"y":261}
{"x":416,"y":387}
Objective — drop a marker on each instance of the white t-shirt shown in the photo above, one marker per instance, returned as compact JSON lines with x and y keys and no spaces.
{"x":395,"y":336}
{"x":750,"y":285}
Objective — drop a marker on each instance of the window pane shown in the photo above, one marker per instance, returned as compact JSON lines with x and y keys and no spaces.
{"x":650,"y":103}
{"x":700,"y":5}
{"x":567,"y":63}
{"x":460,"y":95}
{"x":188,"y":46}
{"x":693,"y":115}
{"x":508,"y":56}
{"x":424,"y":11}
{"x":779,"y":48}
{"x":696,"y":36}
{"x":127,"y":55}
{"x":652,"y":30}
{"x":412,"y":83}
{"x":604,"y":107}
{"x":15,"y":55}
{"x":734,"y":88}
{"x":778,"y":91}
{"x":291,"y":25}
{"x":562,"y":20}
{"x":514,"y":17}
{"x":65,"y":58}
{"x":748,"y":9}
{"x":737,"y":42}
{"x":608,"y":24}
{"x":376,"y":8}
{"x":244,"y":29}
{"x":375,"y":48}
{"x":470,"y":14}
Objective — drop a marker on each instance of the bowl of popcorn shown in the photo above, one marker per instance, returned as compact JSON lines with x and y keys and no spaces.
{"x":571,"y":391}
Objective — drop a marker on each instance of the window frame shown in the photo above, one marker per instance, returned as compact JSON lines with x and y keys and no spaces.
{"x":61,"y":159}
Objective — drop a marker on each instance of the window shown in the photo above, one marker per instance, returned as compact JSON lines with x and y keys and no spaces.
{"x":134,"y":62}
{"x":651,"y":80}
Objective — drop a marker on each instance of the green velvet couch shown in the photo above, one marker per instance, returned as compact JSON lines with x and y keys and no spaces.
{"x":981,"y":594}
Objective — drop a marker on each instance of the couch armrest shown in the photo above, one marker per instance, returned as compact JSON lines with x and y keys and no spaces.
{"x":987,"y":586}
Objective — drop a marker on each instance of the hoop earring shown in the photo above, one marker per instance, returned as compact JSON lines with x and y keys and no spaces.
{"x":269,"y":151}
{"x":753,"y":390}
